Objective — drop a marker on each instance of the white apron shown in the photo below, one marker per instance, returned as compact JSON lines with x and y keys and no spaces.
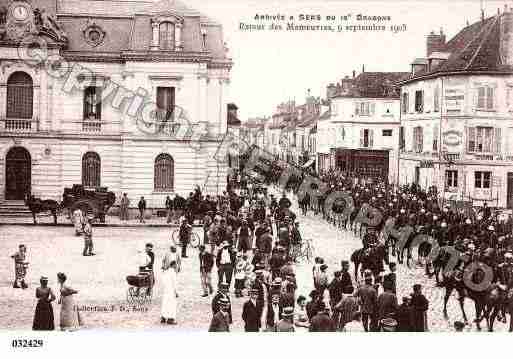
{"x":168,"y":279}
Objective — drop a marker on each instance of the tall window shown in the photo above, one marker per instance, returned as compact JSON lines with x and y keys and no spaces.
{"x":481,"y":139}
{"x":364,"y":108}
{"x":165,"y":103}
{"x":91,"y":169}
{"x":405,"y":103}
{"x":419,"y":101}
{"x":482,"y":179}
{"x":20,"y":94}
{"x":451,"y":178}
{"x":418,"y":139}
{"x":436,"y":99}
{"x":164,"y":173}
{"x":92,"y":108}
{"x":366,"y":138}
{"x":402,"y":140}
{"x":167,"y":36}
{"x":485,"y":98}
{"x":435,"y":138}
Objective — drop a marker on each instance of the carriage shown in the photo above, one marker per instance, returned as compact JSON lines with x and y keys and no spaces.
{"x":93,"y":203}
{"x":194,"y":240}
{"x":140,"y":288}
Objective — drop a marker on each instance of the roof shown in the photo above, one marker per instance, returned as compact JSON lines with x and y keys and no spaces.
{"x":254,"y":122}
{"x":476,"y":48}
{"x":375,"y":85}
{"x":126,"y":29}
{"x":325,"y":116}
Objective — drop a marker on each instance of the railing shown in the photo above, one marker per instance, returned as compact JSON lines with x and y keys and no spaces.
{"x":91,"y":126}
{"x":19,"y":125}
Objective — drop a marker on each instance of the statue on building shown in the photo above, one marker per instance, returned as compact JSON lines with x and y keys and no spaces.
{"x":47,"y":23}
{"x":3,"y":15}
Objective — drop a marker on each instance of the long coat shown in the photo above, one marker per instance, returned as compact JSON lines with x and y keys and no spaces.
{"x":219,"y":323}
{"x":251,"y":317}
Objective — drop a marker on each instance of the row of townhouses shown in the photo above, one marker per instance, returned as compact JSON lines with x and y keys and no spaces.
{"x":447,"y":122}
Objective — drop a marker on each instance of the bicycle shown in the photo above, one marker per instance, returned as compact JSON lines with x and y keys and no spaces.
{"x":305,"y":252}
{"x":194,"y":241}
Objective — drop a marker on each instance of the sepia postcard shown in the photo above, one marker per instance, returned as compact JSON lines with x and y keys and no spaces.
{"x":183,"y":166}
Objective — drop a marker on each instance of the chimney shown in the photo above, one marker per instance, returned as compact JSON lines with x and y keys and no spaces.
{"x":363,"y":68}
{"x":354,"y":74}
{"x":435,"y":42}
{"x":506,"y":38}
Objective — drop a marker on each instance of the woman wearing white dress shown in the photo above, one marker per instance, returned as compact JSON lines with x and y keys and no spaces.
{"x":169,"y":302}
{"x":70,"y":316}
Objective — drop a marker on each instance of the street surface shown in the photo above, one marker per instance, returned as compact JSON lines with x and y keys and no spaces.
{"x":101,"y":282}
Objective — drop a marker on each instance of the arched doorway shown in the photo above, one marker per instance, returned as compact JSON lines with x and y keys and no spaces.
{"x":18,"y":170}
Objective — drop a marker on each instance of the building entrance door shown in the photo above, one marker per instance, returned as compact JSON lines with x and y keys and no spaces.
{"x":17,"y":173}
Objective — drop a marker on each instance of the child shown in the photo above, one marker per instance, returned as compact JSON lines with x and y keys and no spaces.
{"x":240,"y":273}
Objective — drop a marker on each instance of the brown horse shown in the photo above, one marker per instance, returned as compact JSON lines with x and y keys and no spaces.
{"x":37,"y":205}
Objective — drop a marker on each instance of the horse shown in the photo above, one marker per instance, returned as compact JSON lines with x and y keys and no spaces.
{"x":371,"y":258}
{"x":488,"y":302}
{"x":37,"y":205}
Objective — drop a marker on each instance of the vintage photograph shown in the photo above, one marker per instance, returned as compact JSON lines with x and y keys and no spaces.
{"x":255,"y":166}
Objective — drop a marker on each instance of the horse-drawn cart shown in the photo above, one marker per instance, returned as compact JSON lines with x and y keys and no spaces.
{"x":93,"y":203}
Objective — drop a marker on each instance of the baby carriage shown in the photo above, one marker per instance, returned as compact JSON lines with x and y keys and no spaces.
{"x":140,"y":288}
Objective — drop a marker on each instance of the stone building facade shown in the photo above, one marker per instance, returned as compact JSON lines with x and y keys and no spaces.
{"x":126,"y":95}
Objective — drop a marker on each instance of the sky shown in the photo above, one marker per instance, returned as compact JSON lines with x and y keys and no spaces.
{"x":274,"y":66}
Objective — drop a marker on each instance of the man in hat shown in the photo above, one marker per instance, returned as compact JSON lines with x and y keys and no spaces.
{"x":345,"y":278}
{"x":206,"y":261}
{"x":221,"y":319}
{"x":264,"y":243}
{"x":251,"y":313}
{"x":88,"y":237}
{"x":142,"y":208}
{"x":20,"y":267}
{"x":368,"y":299}
{"x":387,"y":303}
{"x":321,"y":322}
{"x":123,"y":207}
{"x":404,"y":316}
{"x":274,"y":310}
{"x":184,"y":234}
{"x":419,"y":305}
{"x":286,"y":323}
{"x":222,"y":293}
{"x":225,"y":262}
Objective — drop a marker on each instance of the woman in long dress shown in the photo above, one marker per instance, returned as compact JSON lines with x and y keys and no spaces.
{"x":43,"y":317}
{"x":70,"y":317}
{"x":168,"y":310}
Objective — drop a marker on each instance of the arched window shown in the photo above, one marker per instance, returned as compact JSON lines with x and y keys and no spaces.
{"x":167,"y":36}
{"x":164,"y":172}
{"x":20,"y":93}
{"x":91,"y":169}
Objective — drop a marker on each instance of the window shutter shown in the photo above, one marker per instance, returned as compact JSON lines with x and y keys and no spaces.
{"x":98,"y":98}
{"x":371,"y":138}
{"x":481,"y":97}
{"x":361,"y":137}
{"x":489,"y":98}
{"x":421,"y":140}
{"x":357,"y":109}
{"x":471,"y":135}
{"x":372,"y":108}
{"x":435,"y":138}
{"x":498,"y":144}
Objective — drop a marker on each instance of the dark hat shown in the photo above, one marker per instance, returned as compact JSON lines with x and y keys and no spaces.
{"x":223,"y":301}
{"x":458,"y":325}
{"x":224,"y":285}
{"x":149,"y":245}
{"x":43,"y":278}
{"x":417,"y":287}
{"x":324,"y":267}
{"x":288,"y":312}
{"x":344,"y":261}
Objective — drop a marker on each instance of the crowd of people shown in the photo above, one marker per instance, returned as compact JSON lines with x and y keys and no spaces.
{"x":251,"y":239}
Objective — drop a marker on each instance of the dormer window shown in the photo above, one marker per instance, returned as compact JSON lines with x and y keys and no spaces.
{"x":167,"y":36}
{"x":204,"y":38}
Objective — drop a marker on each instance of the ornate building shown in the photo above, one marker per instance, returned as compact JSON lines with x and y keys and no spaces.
{"x":126,"y":95}
{"x":457,"y":114}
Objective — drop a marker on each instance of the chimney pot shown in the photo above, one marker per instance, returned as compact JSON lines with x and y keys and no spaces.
{"x":354,"y":74}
